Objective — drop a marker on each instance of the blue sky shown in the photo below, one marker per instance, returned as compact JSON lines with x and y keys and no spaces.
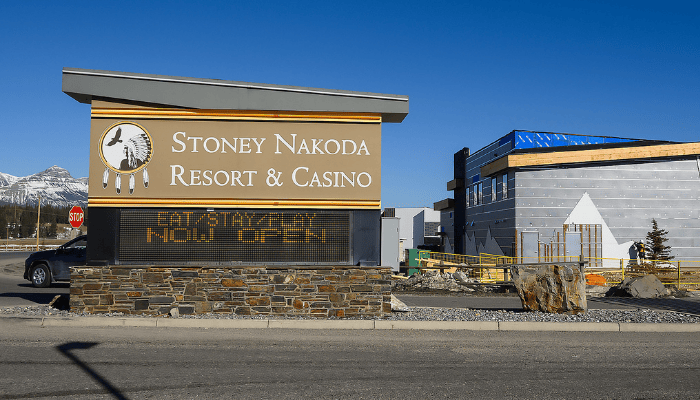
{"x":474,"y":71}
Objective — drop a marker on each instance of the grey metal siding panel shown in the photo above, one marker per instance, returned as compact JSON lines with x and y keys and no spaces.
{"x":483,"y":157}
{"x":627,"y":196}
{"x":496,"y":217}
{"x":447,"y":223}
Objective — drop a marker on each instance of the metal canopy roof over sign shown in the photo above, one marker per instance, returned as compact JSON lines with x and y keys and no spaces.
{"x":85,"y":85}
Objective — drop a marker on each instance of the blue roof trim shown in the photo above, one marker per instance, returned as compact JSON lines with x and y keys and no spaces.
{"x":507,"y":138}
{"x":529,"y":140}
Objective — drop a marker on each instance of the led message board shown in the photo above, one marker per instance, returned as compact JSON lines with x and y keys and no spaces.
{"x":231,"y":236}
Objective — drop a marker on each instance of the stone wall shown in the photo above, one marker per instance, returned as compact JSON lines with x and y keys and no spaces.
{"x":304,"y":291}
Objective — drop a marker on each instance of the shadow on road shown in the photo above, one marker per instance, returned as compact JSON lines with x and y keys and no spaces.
{"x":67,"y":349}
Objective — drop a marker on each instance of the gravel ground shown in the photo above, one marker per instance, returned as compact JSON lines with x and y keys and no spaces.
{"x":420,"y":314}
{"x":461,"y":314}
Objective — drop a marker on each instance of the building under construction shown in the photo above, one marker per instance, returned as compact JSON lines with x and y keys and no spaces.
{"x":541,"y":196}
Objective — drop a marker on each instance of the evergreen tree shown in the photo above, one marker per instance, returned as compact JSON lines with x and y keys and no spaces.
{"x":53,"y":230}
{"x":655,"y":247}
{"x":3,"y":225}
{"x":27,"y":224}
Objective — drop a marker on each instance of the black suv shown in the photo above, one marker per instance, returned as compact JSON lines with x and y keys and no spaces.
{"x":43,"y":267}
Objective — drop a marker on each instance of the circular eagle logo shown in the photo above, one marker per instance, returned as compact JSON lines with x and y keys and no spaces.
{"x":125,"y":148}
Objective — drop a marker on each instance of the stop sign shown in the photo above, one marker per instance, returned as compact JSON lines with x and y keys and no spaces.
{"x":75,"y":216}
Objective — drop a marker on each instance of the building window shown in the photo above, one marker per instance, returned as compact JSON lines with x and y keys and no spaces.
{"x":504,"y":186}
{"x":493,"y":189}
{"x":480,"y":193}
{"x":470,"y":196}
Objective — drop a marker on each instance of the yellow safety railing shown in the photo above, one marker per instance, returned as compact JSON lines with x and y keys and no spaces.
{"x":457,"y":259}
{"x":485,"y":267}
{"x":682,"y":273}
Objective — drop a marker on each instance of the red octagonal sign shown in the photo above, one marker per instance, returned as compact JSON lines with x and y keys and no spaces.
{"x":75,"y":216}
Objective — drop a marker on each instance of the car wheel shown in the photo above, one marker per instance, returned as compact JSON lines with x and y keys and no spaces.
{"x":41,"y":277}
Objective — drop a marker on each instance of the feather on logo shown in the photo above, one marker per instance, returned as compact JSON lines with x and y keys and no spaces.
{"x":125,"y":149}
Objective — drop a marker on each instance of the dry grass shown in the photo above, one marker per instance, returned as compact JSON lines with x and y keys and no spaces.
{"x":32,"y":241}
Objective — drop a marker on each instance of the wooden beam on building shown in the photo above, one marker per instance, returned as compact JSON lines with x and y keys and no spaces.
{"x":455,"y":184}
{"x":444,"y":204}
{"x":588,"y":156}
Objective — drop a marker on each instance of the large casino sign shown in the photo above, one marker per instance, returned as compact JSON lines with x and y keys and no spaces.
{"x":271,"y":188}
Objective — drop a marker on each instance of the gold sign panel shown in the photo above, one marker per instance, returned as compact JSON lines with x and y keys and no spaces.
{"x":243,"y":159}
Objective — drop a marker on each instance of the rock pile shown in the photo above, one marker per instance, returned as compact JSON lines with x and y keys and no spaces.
{"x":642,"y":287}
{"x":435,"y":281}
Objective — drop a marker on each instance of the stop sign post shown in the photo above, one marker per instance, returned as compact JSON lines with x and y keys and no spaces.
{"x":75,"y":216}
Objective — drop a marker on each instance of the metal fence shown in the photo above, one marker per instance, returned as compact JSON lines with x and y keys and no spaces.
{"x":26,"y":247}
{"x":490,"y":268}
{"x":682,"y":273}
{"x":485,"y":268}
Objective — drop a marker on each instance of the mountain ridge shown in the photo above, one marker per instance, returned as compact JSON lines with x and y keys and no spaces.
{"x":55,"y":185}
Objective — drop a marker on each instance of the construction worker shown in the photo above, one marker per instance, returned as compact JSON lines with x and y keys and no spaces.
{"x":641,"y":251}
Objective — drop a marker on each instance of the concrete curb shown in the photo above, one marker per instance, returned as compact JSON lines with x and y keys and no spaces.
{"x":559,"y":326}
{"x":649,"y":327}
{"x":88,"y":322}
{"x":102,"y":322}
{"x":320,"y":324}
{"x":212,"y":323}
{"x":438,"y":325}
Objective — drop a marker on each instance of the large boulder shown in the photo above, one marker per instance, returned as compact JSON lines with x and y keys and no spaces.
{"x":643,"y":287}
{"x":551,"y":288}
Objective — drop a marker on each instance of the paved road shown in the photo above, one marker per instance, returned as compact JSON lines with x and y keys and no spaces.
{"x":15,"y":291}
{"x":8,"y":258}
{"x":174,"y":363}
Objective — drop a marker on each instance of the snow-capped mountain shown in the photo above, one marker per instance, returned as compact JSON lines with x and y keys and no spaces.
{"x":7,"y":179}
{"x":55,"y":186}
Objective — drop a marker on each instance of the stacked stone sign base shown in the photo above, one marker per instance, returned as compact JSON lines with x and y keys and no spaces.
{"x":321,"y":292}
{"x":557,"y":289}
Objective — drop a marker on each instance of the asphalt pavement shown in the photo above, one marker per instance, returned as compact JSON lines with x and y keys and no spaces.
{"x":16,"y":291}
{"x":9,"y":259}
{"x":175,"y":363}
{"x":147,"y":358}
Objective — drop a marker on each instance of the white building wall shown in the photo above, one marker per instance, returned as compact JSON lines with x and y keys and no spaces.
{"x":412,"y":226}
{"x":419,"y":221}
{"x":406,"y":231}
